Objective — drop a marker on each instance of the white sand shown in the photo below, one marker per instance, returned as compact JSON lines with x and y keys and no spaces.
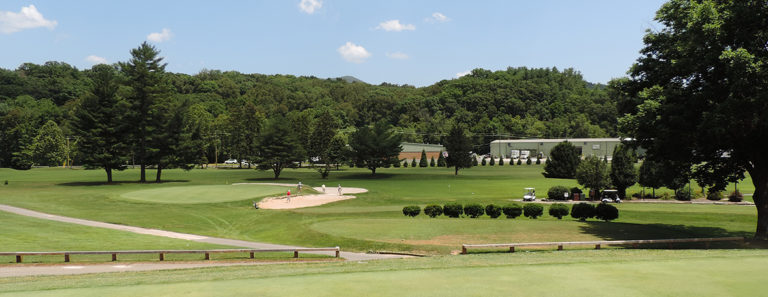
{"x":299,"y":201}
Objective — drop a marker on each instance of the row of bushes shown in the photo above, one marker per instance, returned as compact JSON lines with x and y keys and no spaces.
{"x":581,"y":211}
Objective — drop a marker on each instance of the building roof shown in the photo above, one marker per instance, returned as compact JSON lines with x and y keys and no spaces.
{"x":418,"y":147}
{"x":573,"y":140}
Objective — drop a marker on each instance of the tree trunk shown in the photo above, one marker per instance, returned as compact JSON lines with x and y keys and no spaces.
{"x":159,"y":172}
{"x":760,"y":180}
{"x":143,"y":178}
{"x":109,"y":174}
{"x":276,"y":170}
{"x":457,"y":171}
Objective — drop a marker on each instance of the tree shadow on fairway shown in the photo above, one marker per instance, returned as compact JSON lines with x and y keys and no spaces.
{"x":631,"y":231}
{"x":115,"y":183}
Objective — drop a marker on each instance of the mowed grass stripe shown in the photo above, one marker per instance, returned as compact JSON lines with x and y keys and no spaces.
{"x":204,"y":194}
{"x":625,"y":274}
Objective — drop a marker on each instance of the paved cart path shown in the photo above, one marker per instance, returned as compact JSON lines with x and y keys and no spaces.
{"x":198,"y":238}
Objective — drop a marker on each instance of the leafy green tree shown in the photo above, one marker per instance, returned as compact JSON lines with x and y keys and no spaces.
{"x":278,"y":146}
{"x":245,"y":124}
{"x":423,"y":161}
{"x":441,"y":160}
{"x":338,"y":151}
{"x":623,"y":173}
{"x":144,"y":73}
{"x":459,"y":148}
{"x":172,"y":139}
{"x":563,"y":161}
{"x":592,"y":173}
{"x":651,"y":175}
{"x":698,"y":92}
{"x":49,"y":147}
{"x":320,"y":141}
{"x":375,"y":146}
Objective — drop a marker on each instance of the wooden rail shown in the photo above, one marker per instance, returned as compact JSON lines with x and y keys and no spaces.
{"x":162,"y":253}
{"x":598,"y":244}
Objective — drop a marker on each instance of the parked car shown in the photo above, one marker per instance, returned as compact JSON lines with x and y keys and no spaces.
{"x":245,"y":163}
{"x":231,"y":161}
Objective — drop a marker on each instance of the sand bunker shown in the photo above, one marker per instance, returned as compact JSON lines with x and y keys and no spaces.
{"x":299,"y":201}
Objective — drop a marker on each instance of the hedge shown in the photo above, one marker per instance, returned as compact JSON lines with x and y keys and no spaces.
{"x":453,"y":210}
{"x":493,"y":211}
{"x":411,"y":210}
{"x":533,"y":210}
{"x":512,"y":210}
{"x":433,"y":210}
{"x":557,"y":193}
{"x":558,"y":210}
{"x":473,"y":210}
{"x":606,"y":212}
{"x":583,"y":211}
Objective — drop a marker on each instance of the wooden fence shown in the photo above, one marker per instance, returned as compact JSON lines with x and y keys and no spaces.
{"x":162,"y":253}
{"x":598,"y":244}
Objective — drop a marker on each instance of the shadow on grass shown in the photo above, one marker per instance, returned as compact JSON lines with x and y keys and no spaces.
{"x":114,"y":183}
{"x":631,"y":231}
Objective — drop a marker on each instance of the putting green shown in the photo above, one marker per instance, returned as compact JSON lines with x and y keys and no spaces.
{"x":204,"y":194}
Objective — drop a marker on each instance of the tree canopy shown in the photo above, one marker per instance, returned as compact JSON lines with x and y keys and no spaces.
{"x":562,"y":162}
{"x":697,"y":94}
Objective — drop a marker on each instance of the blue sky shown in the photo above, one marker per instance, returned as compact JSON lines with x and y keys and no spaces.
{"x":404,"y":42}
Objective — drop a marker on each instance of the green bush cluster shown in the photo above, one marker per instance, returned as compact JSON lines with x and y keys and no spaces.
{"x":493,"y":210}
{"x":453,"y":210}
{"x":606,"y":212}
{"x":735,"y":196}
{"x":512,"y":210}
{"x":411,"y":210}
{"x":714,"y":195}
{"x":583,"y":211}
{"x":533,"y":210}
{"x":557,"y":193}
{"x":433,"y":210}
{"x":473,"y":210}
{"x":558,"y":210}
{"x":683,"y":195}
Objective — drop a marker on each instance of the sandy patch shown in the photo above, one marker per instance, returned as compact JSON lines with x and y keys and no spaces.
{"x":300,"y":201}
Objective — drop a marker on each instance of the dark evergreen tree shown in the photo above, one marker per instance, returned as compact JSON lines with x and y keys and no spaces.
{"x":321,"y":140}
{"x":423,"y":161}
{"x":623,"y":172}
{"x":459,"y":148}
{"x":414,"y":163}
{"x":441,"y":160}
{"x":432,"y":162}
{"x":100,"y":123}
{"x":278,"y":146}
{"x":562,"y":162}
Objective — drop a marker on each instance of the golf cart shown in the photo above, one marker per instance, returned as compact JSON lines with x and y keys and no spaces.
{"x":610,"y":196}
{"x":530,"y":194}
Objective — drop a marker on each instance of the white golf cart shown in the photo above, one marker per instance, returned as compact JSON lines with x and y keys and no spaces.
{"x":610,"y":196}
{"x":530,"y":194}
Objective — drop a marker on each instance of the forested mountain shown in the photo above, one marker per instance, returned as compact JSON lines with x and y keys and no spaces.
{"x":226,"y":108}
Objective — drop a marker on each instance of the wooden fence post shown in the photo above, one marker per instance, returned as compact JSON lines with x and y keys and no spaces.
{"x":19,"y":258}
{"x":114,"y":257}
{"x":295,"y":254}
{"x":251,"y":255}
{"x":66,"y":257}
{"x":512,"y":249}
{"x":207,"y":256}
{"x":162,"y":257}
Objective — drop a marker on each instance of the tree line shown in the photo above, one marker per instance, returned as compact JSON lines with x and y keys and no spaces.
{"x":169,"y":120}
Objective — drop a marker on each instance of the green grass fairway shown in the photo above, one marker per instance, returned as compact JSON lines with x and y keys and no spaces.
{"x":372,"y":221}
{"x":204,"y":194}
{"x":567,"y":273}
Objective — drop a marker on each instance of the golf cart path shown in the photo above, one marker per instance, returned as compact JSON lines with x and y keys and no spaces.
{"x":198,"y":238}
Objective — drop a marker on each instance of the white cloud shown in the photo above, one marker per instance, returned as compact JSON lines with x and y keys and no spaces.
{"x":160,"y":37}
{"x":27,"y":18}
{"x":309,"y":6}
{"x":353,"y":52}
{"x":438,"y":18}
{"x":395,"y":25}
{"x":397,"y":56}
{"x":460,"y":74}
{"x":95,"y":60}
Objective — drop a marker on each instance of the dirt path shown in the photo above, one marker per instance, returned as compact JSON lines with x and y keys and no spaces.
{"x":198,"y":238}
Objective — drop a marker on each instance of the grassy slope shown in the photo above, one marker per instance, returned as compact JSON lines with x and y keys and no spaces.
{"x":567,"y":273}
{"x":364,"y":223}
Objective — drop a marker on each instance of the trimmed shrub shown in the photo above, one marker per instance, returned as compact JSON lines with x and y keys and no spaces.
{"x":519,"y":161}
{"x":558,"y":210}
{"x":432,"y":162}
{"x":423,"y":161}
{"x":557,"y":193}
{"x":512,"y":210}
{"x":683,"y":195}
{"x":453,"y":210}
{"x":492,"y":162}
{"x":441,"y":160}
{"x":493,"y":210}
{"x":528,"y":162}
{"x":533,"y":210}
{"x":714,"y":195}
{"x":473,"y":210}
{"x":474,"y":161}
{"x":501,"y":161}
{"x":433,"y":210}
{"x":397,"y":164}
{"x":414,"y":163}
{"x":411,"y":210}
{"x":575,"y":190}
{"x":405,"y":164}
{"x":538,"y":161}
{"x":483,"y":162}
{"x":606,"y":212}
{"x":583,"y":211}
{"x":735,"y":196}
